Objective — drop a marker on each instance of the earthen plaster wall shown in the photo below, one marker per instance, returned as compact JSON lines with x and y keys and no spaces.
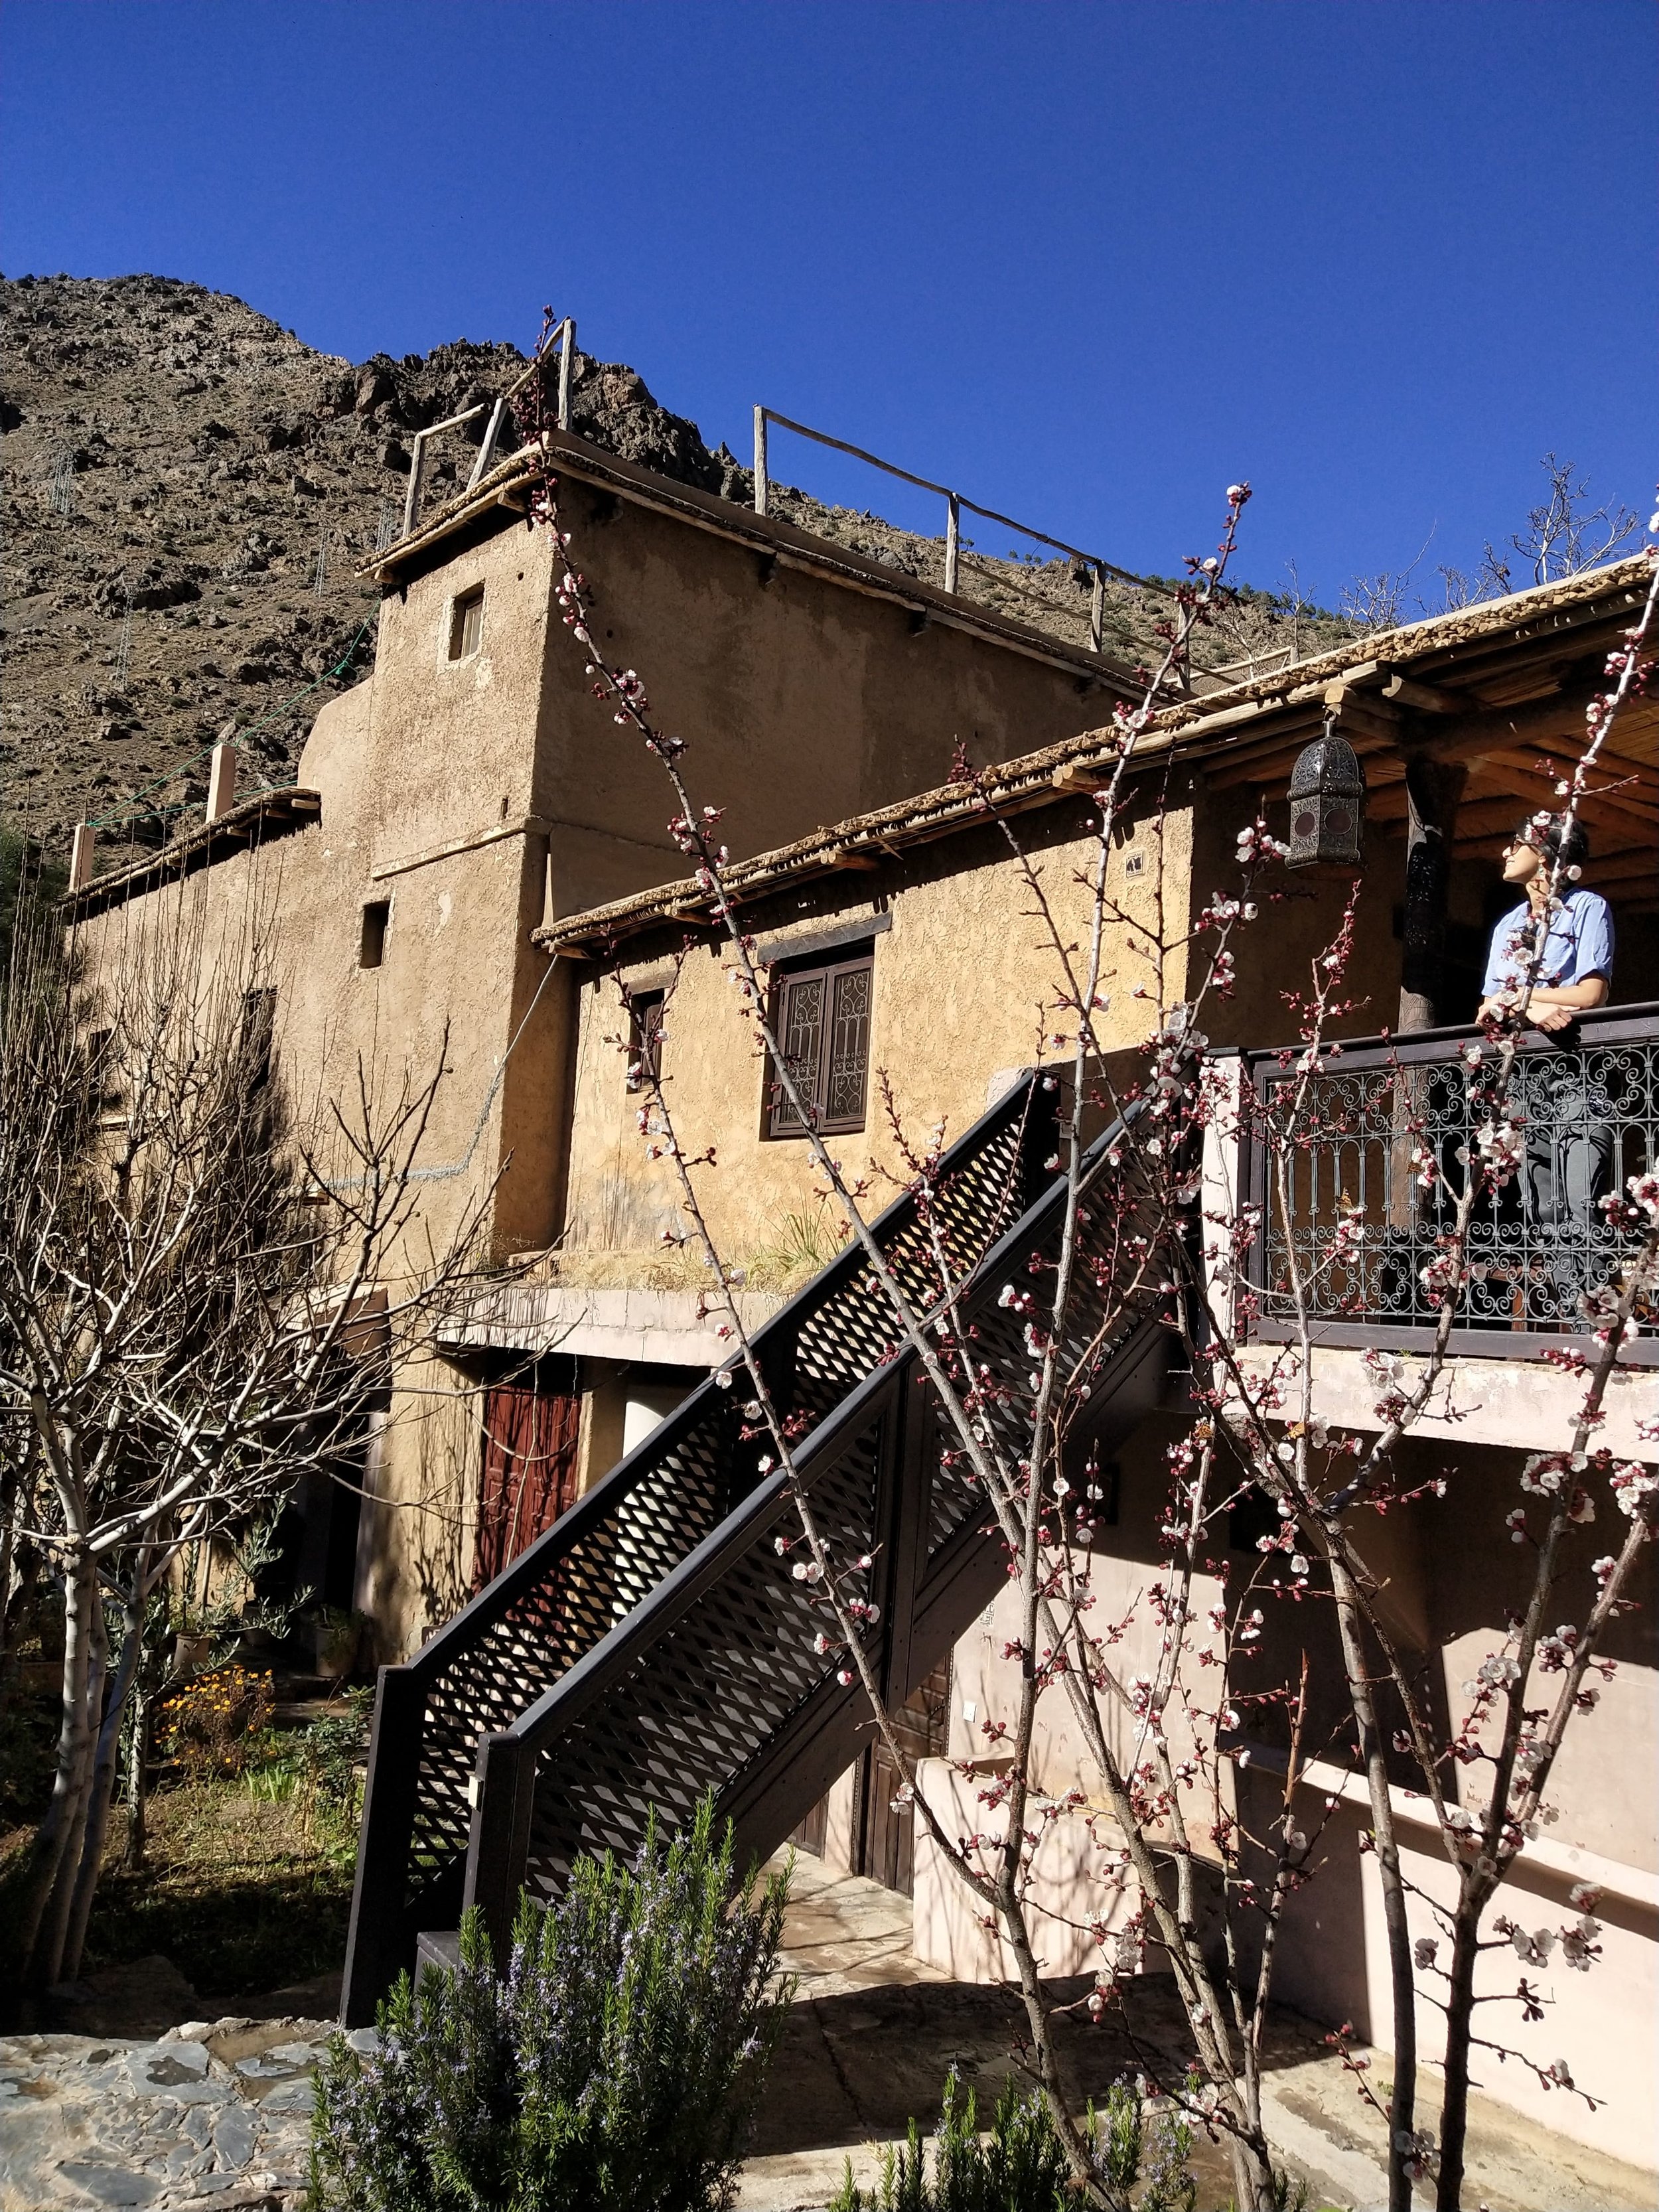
{"x":1449,"y":1582}
{"x":470,"y":797}
{"x":419,"y":1524}
{"x":452,"y":743}
{"x":802,"y":700}
{"x":964,"y":968}
{"x":965,"y":978}
{"x":443,"y":1003}
{"x":1300,"y":912}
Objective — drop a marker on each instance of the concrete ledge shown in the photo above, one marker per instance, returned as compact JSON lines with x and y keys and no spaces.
{"x":1065,"y":1895}
{"x":1525,"y":1404}
{"x":661,"y":1327}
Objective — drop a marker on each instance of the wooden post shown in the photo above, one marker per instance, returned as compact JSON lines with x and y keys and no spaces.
{"x":760,"y":460}
{"x":1097,"y":611}
{"x":412,"y":497}
{"x":499,"y":1847}
{"x":1043,"y":1126}
{"x":1432,"y":791}
{"x":1225,"y":1084}
{"x":777,"y":1357}
{"x":81,"y":856}
{"x":380,"y":1943}
{"x":566,"y":362}
{"x":905,"y":1477}
{"x":221,"y":781}
{"x":952,"y":539}
{"x":487,"y":451}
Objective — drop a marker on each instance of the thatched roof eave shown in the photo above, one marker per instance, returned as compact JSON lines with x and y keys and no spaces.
{"x":1206,"y":729}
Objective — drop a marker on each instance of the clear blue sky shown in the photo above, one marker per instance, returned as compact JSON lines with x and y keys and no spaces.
{"x":1088,"y":260}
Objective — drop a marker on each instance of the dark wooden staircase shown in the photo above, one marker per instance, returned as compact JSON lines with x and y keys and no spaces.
{"x":655,"y":1644}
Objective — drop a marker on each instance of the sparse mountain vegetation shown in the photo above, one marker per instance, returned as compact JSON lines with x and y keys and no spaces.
{"x":190,"y":493}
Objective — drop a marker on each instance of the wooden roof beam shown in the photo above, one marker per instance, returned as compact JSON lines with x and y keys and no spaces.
{"x":1611,"y":867}
{"x":1554,"y":632}
{"x":1271,"y":765}
{"x":1423,"y":698}
{"x":1604,"y":805}
{"x":1636,"y":865}
{"x":1639,"y":781}
{"x":1538,"y":721}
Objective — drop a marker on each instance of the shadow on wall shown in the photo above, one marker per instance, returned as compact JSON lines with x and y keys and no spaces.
{"x":419,"y":1520}
{"x":619,"y":1213}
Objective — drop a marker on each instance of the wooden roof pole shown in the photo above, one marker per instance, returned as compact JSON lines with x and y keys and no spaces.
{"x":1433,"y":789}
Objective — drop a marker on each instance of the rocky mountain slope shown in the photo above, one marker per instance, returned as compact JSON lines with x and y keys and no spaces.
{"x":189,"y":489}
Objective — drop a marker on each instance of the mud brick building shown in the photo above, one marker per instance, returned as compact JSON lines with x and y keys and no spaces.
{"x":474,"y":862}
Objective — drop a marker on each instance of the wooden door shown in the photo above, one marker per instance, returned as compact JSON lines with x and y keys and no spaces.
{"x":888,"y":1829}
{"x":529,"y":1474}
{"x":883,"y":1832}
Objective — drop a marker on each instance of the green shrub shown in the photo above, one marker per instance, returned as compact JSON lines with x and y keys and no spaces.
{"x":615,"y":2067}
{"x":1022,"y":2165}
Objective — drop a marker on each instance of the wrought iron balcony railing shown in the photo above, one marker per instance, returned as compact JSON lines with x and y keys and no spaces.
{"x":1586,"y":1106}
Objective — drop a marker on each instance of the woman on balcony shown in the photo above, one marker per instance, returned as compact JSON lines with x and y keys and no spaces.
{"x":1576,"y":967}
{"x":1568,"y":1162}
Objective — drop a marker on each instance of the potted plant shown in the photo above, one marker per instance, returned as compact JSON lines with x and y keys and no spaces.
{"x":337,"y":1638}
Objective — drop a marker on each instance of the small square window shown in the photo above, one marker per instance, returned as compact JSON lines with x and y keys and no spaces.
{"x":644,"y":1011}
{"x":372,"y":951}
{"x":467,"y":624}
{"x":104,"y":1073}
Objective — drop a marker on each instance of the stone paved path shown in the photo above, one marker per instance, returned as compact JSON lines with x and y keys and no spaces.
{"x":215,"y":2116}
{"x":211,"y":2115}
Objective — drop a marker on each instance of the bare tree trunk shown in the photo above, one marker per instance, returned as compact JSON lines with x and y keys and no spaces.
{"x":58,"y":1829}
{"x":1253,"y":2175}
{"x":137,"y":1779}
{"x":1460,"y":2021}
{"x":1402,"y":2103}
{"x":1052,"y":2071}
{"x":10,"y":1485}
{"x":56,"y":1929}
{"x":102,"y":1788}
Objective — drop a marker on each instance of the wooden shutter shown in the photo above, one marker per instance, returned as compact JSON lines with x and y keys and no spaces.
{"x":847,"y":1059}
{"x":644,"y":1014}
{"x":822,"y":1020}
{"x":529,"y":1474}
{"x":800,"y":1033}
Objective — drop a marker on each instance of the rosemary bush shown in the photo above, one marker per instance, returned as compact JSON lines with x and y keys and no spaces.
{"x":1021,"y":2165}
{"x":616,"y":2067}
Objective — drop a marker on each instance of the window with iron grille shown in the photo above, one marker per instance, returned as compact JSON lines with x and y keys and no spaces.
{"x":821,"y":1018}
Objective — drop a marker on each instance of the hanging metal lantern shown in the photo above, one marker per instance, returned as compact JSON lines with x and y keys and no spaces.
{"x":1327,"y":802}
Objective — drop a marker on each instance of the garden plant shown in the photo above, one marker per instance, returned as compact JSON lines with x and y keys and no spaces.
{"x":615,"y":2066}
{"x":1139,"y":2161}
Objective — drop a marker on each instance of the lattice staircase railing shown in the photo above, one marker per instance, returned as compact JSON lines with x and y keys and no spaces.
{"x":568,"y":1593}
{"x":654,"y":1643}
